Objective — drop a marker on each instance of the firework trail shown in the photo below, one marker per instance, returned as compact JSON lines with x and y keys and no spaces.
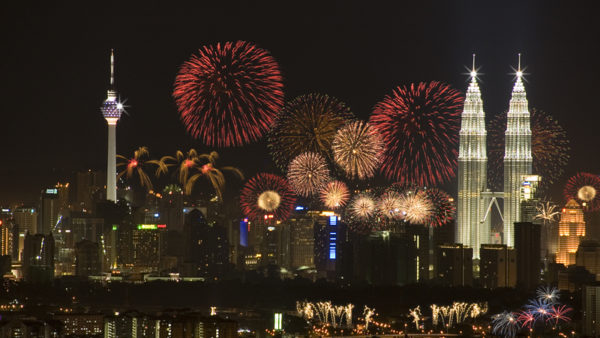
{"x":229,"y":94}
{"x":444,"y":208}
{"x":505,"y":324}
{"x":419,"y":126}
{"x":308,"y":123}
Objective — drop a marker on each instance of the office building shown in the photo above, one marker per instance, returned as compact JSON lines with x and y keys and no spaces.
{"x":38,"y":258}
{"x":454,"y":265}
{"x":498,"y":266}
{"x":591,"y":311}
{"x":588,"y":256}
{"x":527,"y":245}
{"x":87,"y":259}
{"x":571,"y":230}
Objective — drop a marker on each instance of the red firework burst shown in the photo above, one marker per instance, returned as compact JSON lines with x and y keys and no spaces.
{"x":264,"y":186}
{"x":419,"y":125}
{"x":229,"y":94}
{"x":444,"y":208}
{"x":585,"y":189}
{"x":559,"y":313}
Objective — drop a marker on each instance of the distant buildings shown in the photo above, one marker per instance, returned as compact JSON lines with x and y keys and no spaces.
{"x":38,"y":258}
{"x":87,"y":259}
{"x":591,"y":311}
{"x":527,"y":246}
{"x":498,"y":266}
{"x":571,"y":230}
{"x":588,"y":256}
{"x":454,"y":265}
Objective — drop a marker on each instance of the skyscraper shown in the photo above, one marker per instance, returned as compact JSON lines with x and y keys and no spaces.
{"x":517,"y":156}
{"x":571,"y":230}
{"x":472,"y":171}
{"x":111,"y":110}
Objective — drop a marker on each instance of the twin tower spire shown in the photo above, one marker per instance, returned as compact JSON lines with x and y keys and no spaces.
{"x":473,"y":225}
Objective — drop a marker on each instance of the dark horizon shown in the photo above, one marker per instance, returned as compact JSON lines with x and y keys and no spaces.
{"x":55,"y":70}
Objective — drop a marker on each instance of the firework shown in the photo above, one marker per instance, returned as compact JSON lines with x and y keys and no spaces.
{"x":547,"y":294}
{"x":583,"y":187}
{"x":136,"y":166}
{"x":505,"y":324}
{"x":549,"y":148}
{"x":559,"y":313}
{"x":362,"y":206}
{"x":357,"y":149}
{"x":307,"y":123}
{"x":335,"y":194}
{"x":389,"y":205}
{"x":267,"y":194}
{"x":539,"y":308}
{"x":419,"y":126}
{"x":546,"y":211}
{"x":443,"y":207}
{"x":209,"y":171}
{"x":229,"y":94}
{"x":308,"y":173}
{"x":526,"y":319}
{"x":416,"y":207}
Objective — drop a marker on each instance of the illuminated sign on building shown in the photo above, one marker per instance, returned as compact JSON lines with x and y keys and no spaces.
{"x":332,"y":222}
{"x":147,"y":227}
{"x":244,"y":232}
{"x":52,"y":191}
{"x":278,"y":322}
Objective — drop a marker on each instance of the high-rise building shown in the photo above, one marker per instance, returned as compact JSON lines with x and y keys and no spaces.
{"x":588,"y":256}
{"x":517,"y":156}
{"x":454,"y":265}
{"x":383,"y":258}
{"x":498,"y":266}
{"x":302,"y":241}
{"x":38,"y":258}
{"x":571,"y":230}
{"x":146,"y":243}
{"x":530,"y":198}
{"x":26,"y":219}
{"x":171,"y":208}
{"x":111,"y":110}
{"x":591,"y":311}
{"x":89,"y":188}
{"x":472,"y":172}
{"x":49,"y":208}
{"x":329,"y":233}
{"x":87,"y":258}
{"x":8,"y":237}
{"x":527,"y":245}
{"x":206,"y":248}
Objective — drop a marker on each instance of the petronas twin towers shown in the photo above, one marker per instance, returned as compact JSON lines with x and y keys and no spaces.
{"x":474,"y":199}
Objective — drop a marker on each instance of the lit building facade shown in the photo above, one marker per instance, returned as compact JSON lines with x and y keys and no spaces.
{"x":454,"y":265}
{"x":571,"y":230}
{"x":517,"y":156}
{"x":472,"y":172}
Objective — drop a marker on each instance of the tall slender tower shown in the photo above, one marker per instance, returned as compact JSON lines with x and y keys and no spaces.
{"x":517,"y":156}
{"x":111,"y":110}
{"x":472,"y":171}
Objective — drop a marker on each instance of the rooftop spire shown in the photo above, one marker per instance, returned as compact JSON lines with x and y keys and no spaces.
{"x":473,"y":72}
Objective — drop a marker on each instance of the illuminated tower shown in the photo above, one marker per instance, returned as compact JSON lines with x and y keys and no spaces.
{"x":472,"y":171}
{"x":111,"y":110}
{"x":517,"y":156}
{"x":571,"y":230}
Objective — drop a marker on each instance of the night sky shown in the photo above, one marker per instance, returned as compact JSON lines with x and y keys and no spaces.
{"x":54,"y":69}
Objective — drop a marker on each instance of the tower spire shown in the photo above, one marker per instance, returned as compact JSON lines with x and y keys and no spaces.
{"x":473,"y":68}
{"x":112,"y":67}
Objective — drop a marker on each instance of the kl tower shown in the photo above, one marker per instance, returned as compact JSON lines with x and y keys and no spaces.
{"x":111,"y":110}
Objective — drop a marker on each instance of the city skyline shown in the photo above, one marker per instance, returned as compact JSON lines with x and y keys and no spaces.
{"x":328,"y":66}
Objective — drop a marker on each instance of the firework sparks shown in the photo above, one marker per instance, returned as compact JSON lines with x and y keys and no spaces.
{"x":559,"y":313}
{"x":136,"y":166}
{"x":583,"y":187}
{"x":443,"y":210}
{"x":209,"y":171}
{"x":526,"y":318}
{"x":416,"y":207}
{"x":547,"y":212}
{"x":357,"y":149}
{"x":539,"y":308}
{"x":505,"y":324}
{"x":362,"y":206}
{"x":229,"y":94}
{"x":548,"y":294}
{"x":549,"y":148}
{"x":308,"y":174}
{"x":307,"y":123}
{"x":390,"y":205}
{"x":419,"y":126}
{"x":335,"y":194}
{"x":267,"y":194}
